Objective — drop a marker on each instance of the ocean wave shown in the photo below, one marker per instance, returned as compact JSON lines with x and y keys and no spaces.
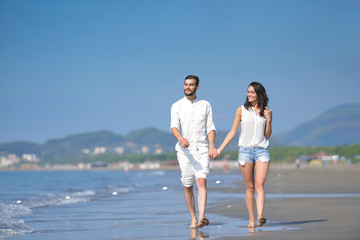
{"x":50,"y":199}
{"x":157,"y":173}
{"x":12,"y":210}
{"x":10,"y":227}
{"x":83,"y":193}
{"x":123,"y":189}
{"x":14,"y":227}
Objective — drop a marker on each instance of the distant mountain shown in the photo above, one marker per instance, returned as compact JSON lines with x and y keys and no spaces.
{"x":20,"y":148}
{"x":337,"y":126}
{"x":145,"y":140}
{"x":151,"y":136}
{"x":75,"y":144}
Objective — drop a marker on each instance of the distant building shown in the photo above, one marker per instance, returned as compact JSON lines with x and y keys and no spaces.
{"x":145,"y":149}
{"x":99,"y":150}
{"x":318,"y":159}
{"x":5,"y":162}
{"x":83,"y":166}
{"x":159,"y":151}
{"x":28,"y":166}
{"x":149,"y":165}
{"x":30,"y":158}
{"x":13,"y":158}
{"x":98,"y":165}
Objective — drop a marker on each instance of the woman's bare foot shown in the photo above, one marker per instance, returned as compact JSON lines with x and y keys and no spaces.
{"x":203,"y":222}
{"x":261,"y":221}
{"x":251,"y":223}
{"x":193,"y":223}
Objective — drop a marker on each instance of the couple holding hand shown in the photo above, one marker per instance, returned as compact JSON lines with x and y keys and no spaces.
{"x":191,"y":118}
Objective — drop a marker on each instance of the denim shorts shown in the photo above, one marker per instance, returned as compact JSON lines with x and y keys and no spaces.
{"x":253,"y":154}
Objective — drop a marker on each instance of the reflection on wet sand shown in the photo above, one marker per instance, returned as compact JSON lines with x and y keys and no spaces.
{"x":196,"y":234}
{"x":253,"y":230}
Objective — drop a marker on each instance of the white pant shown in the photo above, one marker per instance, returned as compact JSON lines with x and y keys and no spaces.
{"x":193,"y":166}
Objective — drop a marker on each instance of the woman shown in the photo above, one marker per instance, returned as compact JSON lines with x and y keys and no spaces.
{"x":255,"y":118}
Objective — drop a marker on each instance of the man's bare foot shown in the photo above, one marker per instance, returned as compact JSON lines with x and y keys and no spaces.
{"x":193,"y":223}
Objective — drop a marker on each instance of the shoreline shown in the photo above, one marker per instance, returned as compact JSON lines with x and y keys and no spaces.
{"x":302,"y":218}
{"x":279,"y":166}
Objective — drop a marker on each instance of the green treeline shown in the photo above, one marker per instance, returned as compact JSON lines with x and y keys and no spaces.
{"x":278,"y":154}
{"x":288,"y":154}
{"x":111,"y":158}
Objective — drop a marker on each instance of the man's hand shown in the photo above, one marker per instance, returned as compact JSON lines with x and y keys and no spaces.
{"x":184,"y":142}
{"x":213,"y":153}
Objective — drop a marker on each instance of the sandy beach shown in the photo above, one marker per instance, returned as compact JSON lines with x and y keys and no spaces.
{"x":303,"y":214}
{"x":311,"y":203}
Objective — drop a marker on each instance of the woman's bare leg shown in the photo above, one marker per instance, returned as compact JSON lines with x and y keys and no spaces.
{"x":248,"y":175}
{"x":261,"y":169}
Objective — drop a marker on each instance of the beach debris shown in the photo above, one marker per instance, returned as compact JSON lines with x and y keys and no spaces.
{"x":164,"y":188}
{"x":115,"y":193}
{"x":67,"y":197}
{"x":18,"y":201}
{"x":218,"y":182}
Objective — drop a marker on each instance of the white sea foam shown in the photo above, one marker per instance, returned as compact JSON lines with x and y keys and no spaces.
{"x":9,"y":226}
{"x":13,"y":227}
{"x":13,"y":210}
{"x":70,"y":201}
{"x":157,"y":173}
{"x":123,"y":189}
{"x":83,"y":193}
{"x":50,"y":199}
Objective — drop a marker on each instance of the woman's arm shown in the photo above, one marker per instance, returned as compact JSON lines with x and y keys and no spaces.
{"x":232,"y":132}
{"x":268,"y":116}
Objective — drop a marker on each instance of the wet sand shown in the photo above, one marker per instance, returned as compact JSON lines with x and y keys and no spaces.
{"x":334,"y":217}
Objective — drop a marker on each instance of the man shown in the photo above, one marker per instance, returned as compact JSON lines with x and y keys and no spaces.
{"x":190,"y":118}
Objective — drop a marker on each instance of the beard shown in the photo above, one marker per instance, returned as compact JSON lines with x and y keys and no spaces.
{"x":191,"y":93}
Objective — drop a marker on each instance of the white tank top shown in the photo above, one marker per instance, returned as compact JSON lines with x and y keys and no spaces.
{"x":252,"y":129}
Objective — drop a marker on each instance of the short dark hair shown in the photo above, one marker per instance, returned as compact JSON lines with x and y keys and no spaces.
{"x":196,"y":78}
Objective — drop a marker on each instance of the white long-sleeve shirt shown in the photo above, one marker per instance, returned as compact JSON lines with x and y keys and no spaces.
{"x":192,"y":119}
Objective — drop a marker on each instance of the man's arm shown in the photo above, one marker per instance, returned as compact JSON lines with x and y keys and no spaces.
{"x":212,"y":151}
{"x":175,"y":126}
{"x":210,"y":128}
{"x":183,"y":141}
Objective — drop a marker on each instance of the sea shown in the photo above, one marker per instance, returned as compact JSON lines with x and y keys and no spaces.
{"x":111,"y":205}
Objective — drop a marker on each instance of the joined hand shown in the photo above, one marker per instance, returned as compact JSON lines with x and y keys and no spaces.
{"x":213,"y":153}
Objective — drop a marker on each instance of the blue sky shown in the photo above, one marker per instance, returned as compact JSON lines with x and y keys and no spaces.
{"x":76,"y":66}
